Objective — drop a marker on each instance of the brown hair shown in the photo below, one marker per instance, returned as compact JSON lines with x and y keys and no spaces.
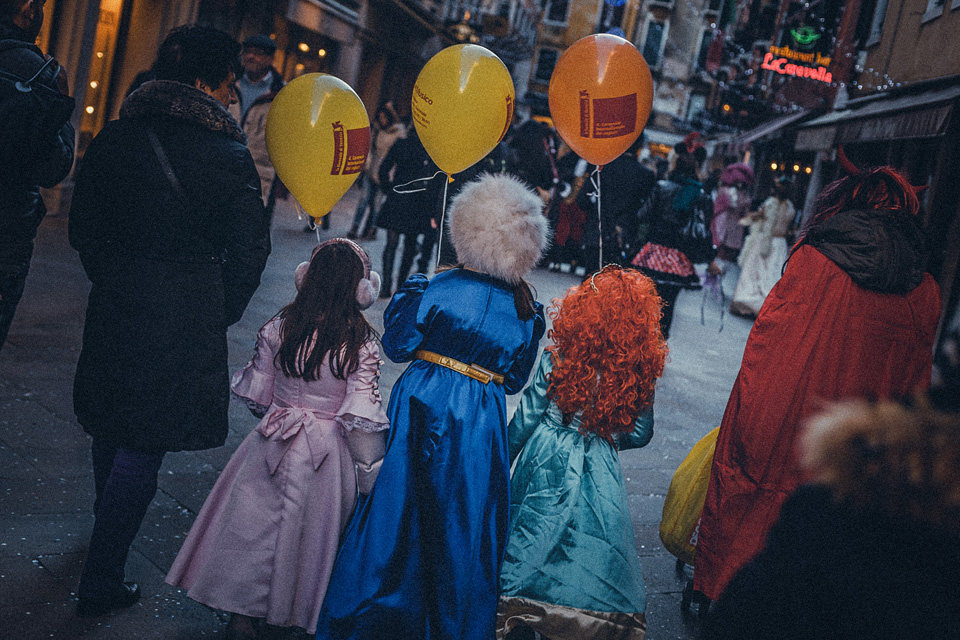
{"x":325,"y":317}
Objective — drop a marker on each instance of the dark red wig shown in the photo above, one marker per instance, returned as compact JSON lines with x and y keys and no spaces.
{"x":607,"y":350}
{"x":873,"y":189}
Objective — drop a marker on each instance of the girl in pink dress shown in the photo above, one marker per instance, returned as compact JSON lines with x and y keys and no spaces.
{"x":265,"y":540}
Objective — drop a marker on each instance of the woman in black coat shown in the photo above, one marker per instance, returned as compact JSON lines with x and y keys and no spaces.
{"x":407,"y":214}
{"x":170,"y":227}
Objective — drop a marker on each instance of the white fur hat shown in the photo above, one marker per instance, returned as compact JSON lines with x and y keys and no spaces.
{"x":497,"y":226}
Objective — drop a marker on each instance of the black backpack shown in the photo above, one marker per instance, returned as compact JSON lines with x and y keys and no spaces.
{"x":686,"y":218}
{"x":32,"y":109}
{"x":696,"y":238}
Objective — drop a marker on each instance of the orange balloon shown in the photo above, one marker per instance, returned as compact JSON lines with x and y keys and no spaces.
{"x":601,"y":94}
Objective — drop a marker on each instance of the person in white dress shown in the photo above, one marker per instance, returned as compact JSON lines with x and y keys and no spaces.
{"x":764,"y":251}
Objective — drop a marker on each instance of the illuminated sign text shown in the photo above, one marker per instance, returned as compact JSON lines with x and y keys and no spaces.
{"x":786,"y":68}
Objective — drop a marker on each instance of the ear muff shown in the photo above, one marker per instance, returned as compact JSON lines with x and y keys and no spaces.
{"x":300,"y":274}
{"x":368,"y":290}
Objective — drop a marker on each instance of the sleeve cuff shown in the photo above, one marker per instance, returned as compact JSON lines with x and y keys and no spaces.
{"x":351,"y":421}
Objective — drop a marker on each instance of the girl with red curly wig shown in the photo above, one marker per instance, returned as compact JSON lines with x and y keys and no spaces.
{"x":571,"y":568}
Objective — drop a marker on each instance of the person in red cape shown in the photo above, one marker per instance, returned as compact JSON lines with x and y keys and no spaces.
{"x":854,"y":315}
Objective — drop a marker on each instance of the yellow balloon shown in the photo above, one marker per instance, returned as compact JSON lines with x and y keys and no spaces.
{"x":318,"y":137}
{"x":462,"y":105}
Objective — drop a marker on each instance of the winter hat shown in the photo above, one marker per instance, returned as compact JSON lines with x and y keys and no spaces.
{"x":369,"y":286}
{"x":262,"y":42}
{"x":497,"y":226}
{"x":737,"y":173}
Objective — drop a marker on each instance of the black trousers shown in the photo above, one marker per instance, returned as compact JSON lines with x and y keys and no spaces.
{"x":11,"y":290}
{"x":126,"y":482}
{"x":411,"y":247}
{"x":668,"y":293}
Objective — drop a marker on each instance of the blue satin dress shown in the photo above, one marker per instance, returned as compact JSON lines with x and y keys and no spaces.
{"x":421,"y":557}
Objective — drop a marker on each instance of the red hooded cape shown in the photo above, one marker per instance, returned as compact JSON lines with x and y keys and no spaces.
{"x":819,"y":336}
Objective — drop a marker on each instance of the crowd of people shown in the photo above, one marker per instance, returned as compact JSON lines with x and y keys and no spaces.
{"x":432,"y":514}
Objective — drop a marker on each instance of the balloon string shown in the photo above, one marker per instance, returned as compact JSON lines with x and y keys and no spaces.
{"x":595,"y":181}
{"x":400,"y":188}
{"x":443,"y":211}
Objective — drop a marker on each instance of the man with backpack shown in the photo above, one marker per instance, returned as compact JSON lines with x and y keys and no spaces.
{"x":679,"y":236}
{"x":36,"y":143}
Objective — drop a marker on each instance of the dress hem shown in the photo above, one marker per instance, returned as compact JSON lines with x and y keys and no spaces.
{"x":558,"y":621}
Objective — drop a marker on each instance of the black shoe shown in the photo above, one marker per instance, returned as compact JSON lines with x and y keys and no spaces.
{"x":125,"y":596}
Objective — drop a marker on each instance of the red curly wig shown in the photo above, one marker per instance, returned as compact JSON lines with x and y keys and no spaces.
{"x":607,"y":350}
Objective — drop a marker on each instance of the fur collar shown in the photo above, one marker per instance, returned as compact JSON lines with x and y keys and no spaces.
{"x":498,"y":227}
{"x":902,"y":459}
{"x":169,"y":99}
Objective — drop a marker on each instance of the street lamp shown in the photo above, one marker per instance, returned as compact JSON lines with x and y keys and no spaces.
{"x":463,"y":32}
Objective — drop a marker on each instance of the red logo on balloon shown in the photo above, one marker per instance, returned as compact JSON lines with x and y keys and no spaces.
{"x":607,"y":117}
{"x":350,"y":148}
{"x":614,"y":117}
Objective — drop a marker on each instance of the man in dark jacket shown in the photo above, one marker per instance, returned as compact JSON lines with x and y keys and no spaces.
{"x":21,"y":207}
{"x":171,"y":230}
{"x":625,"y":185}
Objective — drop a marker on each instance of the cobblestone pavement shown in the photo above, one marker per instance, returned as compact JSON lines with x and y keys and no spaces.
{"x":46,"y":483}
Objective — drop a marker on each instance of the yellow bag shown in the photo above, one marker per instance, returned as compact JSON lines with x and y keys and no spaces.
{"x":680,"y":524}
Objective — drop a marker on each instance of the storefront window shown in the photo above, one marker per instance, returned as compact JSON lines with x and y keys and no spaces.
{"x":546,"y":61}
{"x":653,"y":44}
{"x":306,"y":51}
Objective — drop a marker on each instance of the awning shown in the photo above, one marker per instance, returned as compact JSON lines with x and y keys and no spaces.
{"x":917,"y":115}
{"x":657,"y":136}
{"x":769,"y":127}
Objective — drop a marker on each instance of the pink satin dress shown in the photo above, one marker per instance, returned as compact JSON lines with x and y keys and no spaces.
{"x":264,"y":543}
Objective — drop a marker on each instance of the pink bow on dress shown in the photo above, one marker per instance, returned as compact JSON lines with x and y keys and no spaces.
{"x":285,"y":423}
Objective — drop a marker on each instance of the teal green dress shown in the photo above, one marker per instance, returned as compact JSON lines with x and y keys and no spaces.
{"x":571,"y":568}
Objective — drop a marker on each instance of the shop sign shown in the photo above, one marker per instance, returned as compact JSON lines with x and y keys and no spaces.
{"x":783,"y":60}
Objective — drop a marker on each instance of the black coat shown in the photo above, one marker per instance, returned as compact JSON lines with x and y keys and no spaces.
{"x":408,"y":213}
{"x":625,"y":185}
{"x":168,"y":276}
{"x":21,"y":207}
{"x":832,"y":571}
{"x":533,"y":162}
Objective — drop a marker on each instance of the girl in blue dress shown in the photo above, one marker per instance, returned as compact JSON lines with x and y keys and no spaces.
{"x":571,"y":569}
{"x":421,"y":557}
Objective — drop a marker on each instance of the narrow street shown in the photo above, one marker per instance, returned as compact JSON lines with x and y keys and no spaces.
{"x":46,"y":484}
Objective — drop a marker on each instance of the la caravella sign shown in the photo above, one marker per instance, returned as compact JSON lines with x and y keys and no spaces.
{"x":778,"y":59}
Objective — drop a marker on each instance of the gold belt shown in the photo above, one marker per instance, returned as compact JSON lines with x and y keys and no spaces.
{"x":469,"y":370}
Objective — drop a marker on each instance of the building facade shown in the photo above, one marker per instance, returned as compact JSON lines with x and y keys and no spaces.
{"x":376,"y":46}
{"x":902,"y":108}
